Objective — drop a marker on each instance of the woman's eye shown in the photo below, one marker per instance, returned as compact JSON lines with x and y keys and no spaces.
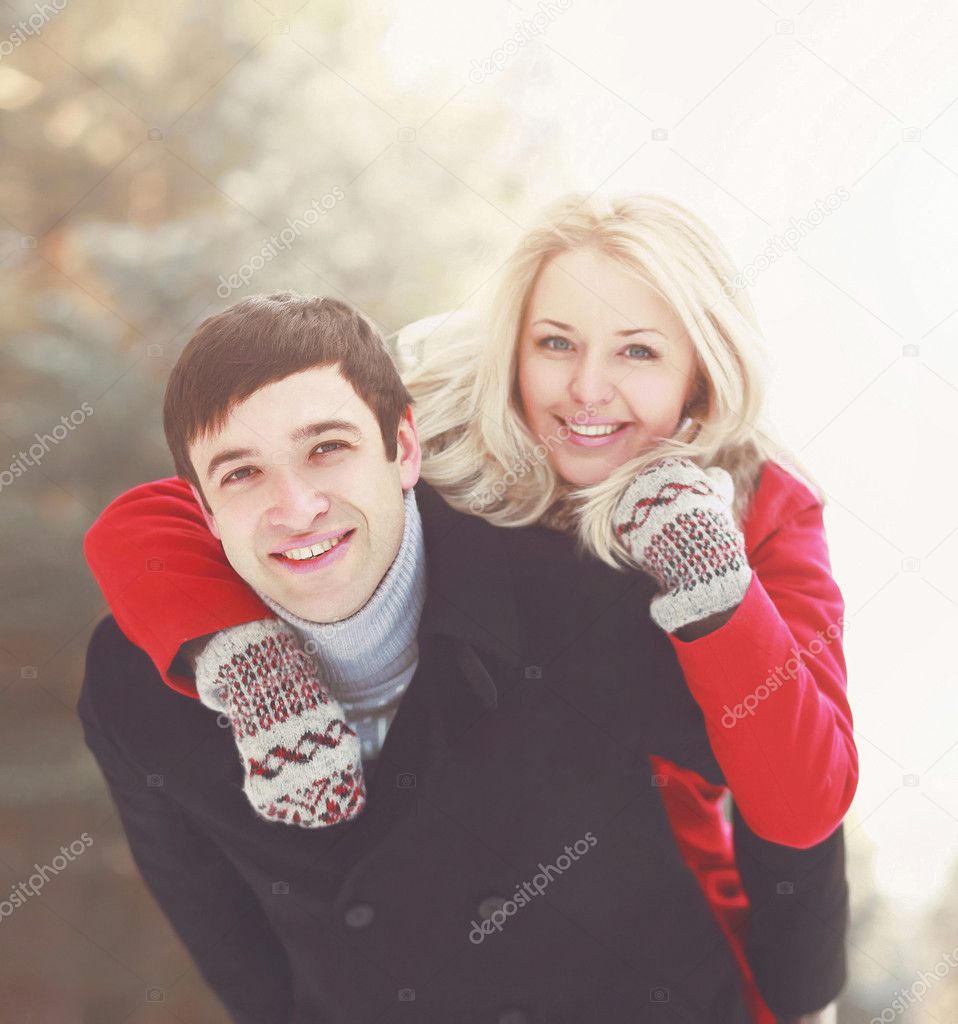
{"x":562,"y":346}
{"x":644,"y":350}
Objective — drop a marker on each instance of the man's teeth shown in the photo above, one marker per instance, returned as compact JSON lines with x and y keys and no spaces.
{"x":599,"y":430}
{"x":298,"y":554}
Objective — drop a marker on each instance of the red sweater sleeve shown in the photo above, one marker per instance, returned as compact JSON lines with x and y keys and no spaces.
{"x":164,"y":575}
{"x":771,"y":681}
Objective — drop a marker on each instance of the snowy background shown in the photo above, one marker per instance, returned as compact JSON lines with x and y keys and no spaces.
{"x":149,"y":151}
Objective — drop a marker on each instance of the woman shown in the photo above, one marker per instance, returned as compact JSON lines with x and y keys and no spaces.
{"x":612,"y":392}
{"x":618,"y":361}
{"x":620,"y":398}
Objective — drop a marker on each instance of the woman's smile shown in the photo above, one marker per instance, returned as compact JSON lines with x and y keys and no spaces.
{"x":597,"y":434}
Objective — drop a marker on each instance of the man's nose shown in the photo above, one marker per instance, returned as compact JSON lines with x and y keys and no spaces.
{"x":591,"y":383}
{"x":295,"y":501}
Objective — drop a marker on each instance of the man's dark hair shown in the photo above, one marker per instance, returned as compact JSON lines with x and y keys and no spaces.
{"x":264,"y":339}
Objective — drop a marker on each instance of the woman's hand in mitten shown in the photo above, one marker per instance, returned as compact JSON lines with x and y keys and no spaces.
{"x":675,"y":520}
{"x":301,"y":759}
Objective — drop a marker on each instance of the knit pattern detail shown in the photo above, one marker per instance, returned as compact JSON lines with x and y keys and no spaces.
{"x":668,"y":493}
{"x":693,"y":549}
{"x":277,"y":758}
{"x":675,"y":521}
{"x":264,"y":696}
{"x":300,"y":756}
{"x":327,"y":800}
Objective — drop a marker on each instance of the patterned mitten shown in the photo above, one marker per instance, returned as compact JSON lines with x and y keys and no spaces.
{"x":301,"y":759}
{"x":675,"y":520}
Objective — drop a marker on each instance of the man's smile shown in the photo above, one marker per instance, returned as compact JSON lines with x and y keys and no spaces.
{"x":321,"y":551}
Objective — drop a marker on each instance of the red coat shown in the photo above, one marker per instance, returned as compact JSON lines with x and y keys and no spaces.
{"x":792,"y":764}
{"x":780,"y":730}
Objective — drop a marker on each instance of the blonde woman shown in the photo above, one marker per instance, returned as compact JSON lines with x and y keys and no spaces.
{"x":619,"y":388}
{"x":613,"y":392}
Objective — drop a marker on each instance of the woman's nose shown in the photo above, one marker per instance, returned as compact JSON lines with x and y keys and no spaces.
{"x":591,"y":384}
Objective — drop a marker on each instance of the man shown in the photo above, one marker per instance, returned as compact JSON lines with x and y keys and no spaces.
{"x":502,"y":852}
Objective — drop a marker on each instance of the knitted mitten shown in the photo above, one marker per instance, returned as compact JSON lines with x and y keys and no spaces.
{"x":301,"y":760}
{"x":675,"y":520}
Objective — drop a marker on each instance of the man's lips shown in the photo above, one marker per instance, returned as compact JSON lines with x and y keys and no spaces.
{"x":309,"y":541}
{"x":308,"y":562}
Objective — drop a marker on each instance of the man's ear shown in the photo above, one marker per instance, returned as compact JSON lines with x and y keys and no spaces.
{"x":408,"y":452}
{"x":210,"y":521}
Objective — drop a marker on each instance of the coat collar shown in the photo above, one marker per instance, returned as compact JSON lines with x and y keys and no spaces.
{"x":469,"y":583}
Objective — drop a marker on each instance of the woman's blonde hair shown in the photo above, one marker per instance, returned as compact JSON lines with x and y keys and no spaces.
{"x":477,"y":450}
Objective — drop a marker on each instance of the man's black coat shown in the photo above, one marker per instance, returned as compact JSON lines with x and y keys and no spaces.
{"x":514,"y":861}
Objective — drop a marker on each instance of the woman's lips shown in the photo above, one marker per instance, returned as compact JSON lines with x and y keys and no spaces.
{"x":599,"y":441}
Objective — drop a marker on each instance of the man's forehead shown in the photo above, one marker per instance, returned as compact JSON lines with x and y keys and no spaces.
{"x":269,"y":416}
{"x":316,"y":381}
{"x":323,"y":392}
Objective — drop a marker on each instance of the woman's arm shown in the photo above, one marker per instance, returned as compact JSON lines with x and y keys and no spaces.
{"x":771,"y":683}
{"x":165,"y":576}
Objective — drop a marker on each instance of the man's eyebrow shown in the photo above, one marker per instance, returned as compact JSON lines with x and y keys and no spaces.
{"x":622,"y":334}
{"x":230,"y":455}
{"x":299,"y":435}
{"x":321,"y":427}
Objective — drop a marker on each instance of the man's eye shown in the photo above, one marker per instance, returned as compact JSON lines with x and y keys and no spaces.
{"x":330,"y":444}
{"x":233,"y":477}
{"x":326,"y":448}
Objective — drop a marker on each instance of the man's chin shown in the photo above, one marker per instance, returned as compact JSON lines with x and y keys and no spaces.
{"x":312,"y":607}
{"x":322,"y":605}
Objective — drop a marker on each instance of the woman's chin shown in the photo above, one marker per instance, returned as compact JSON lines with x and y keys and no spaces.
{"x":577,"y":475}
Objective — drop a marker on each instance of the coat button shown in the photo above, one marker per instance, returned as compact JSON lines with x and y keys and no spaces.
{"x":359,"y":915}
{"x":513,"y":1017}
{"x":489,"y":906}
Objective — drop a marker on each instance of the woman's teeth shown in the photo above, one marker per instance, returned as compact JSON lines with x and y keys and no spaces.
{"x":599,"y":430}
{"x":298,"y":554}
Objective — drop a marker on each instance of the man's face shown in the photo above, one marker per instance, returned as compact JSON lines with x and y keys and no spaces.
{"x":307,"y":507}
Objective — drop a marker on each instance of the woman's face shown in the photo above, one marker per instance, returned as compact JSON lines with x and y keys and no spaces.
{"x":601,"y":354}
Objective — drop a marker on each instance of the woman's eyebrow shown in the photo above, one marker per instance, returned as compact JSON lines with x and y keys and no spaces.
{"x":559,"y":324}
{"x":622,"y":334}
{"x":639,"y":330}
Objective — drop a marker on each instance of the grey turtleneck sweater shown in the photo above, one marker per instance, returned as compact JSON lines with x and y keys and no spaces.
{"x":368,"y":659}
